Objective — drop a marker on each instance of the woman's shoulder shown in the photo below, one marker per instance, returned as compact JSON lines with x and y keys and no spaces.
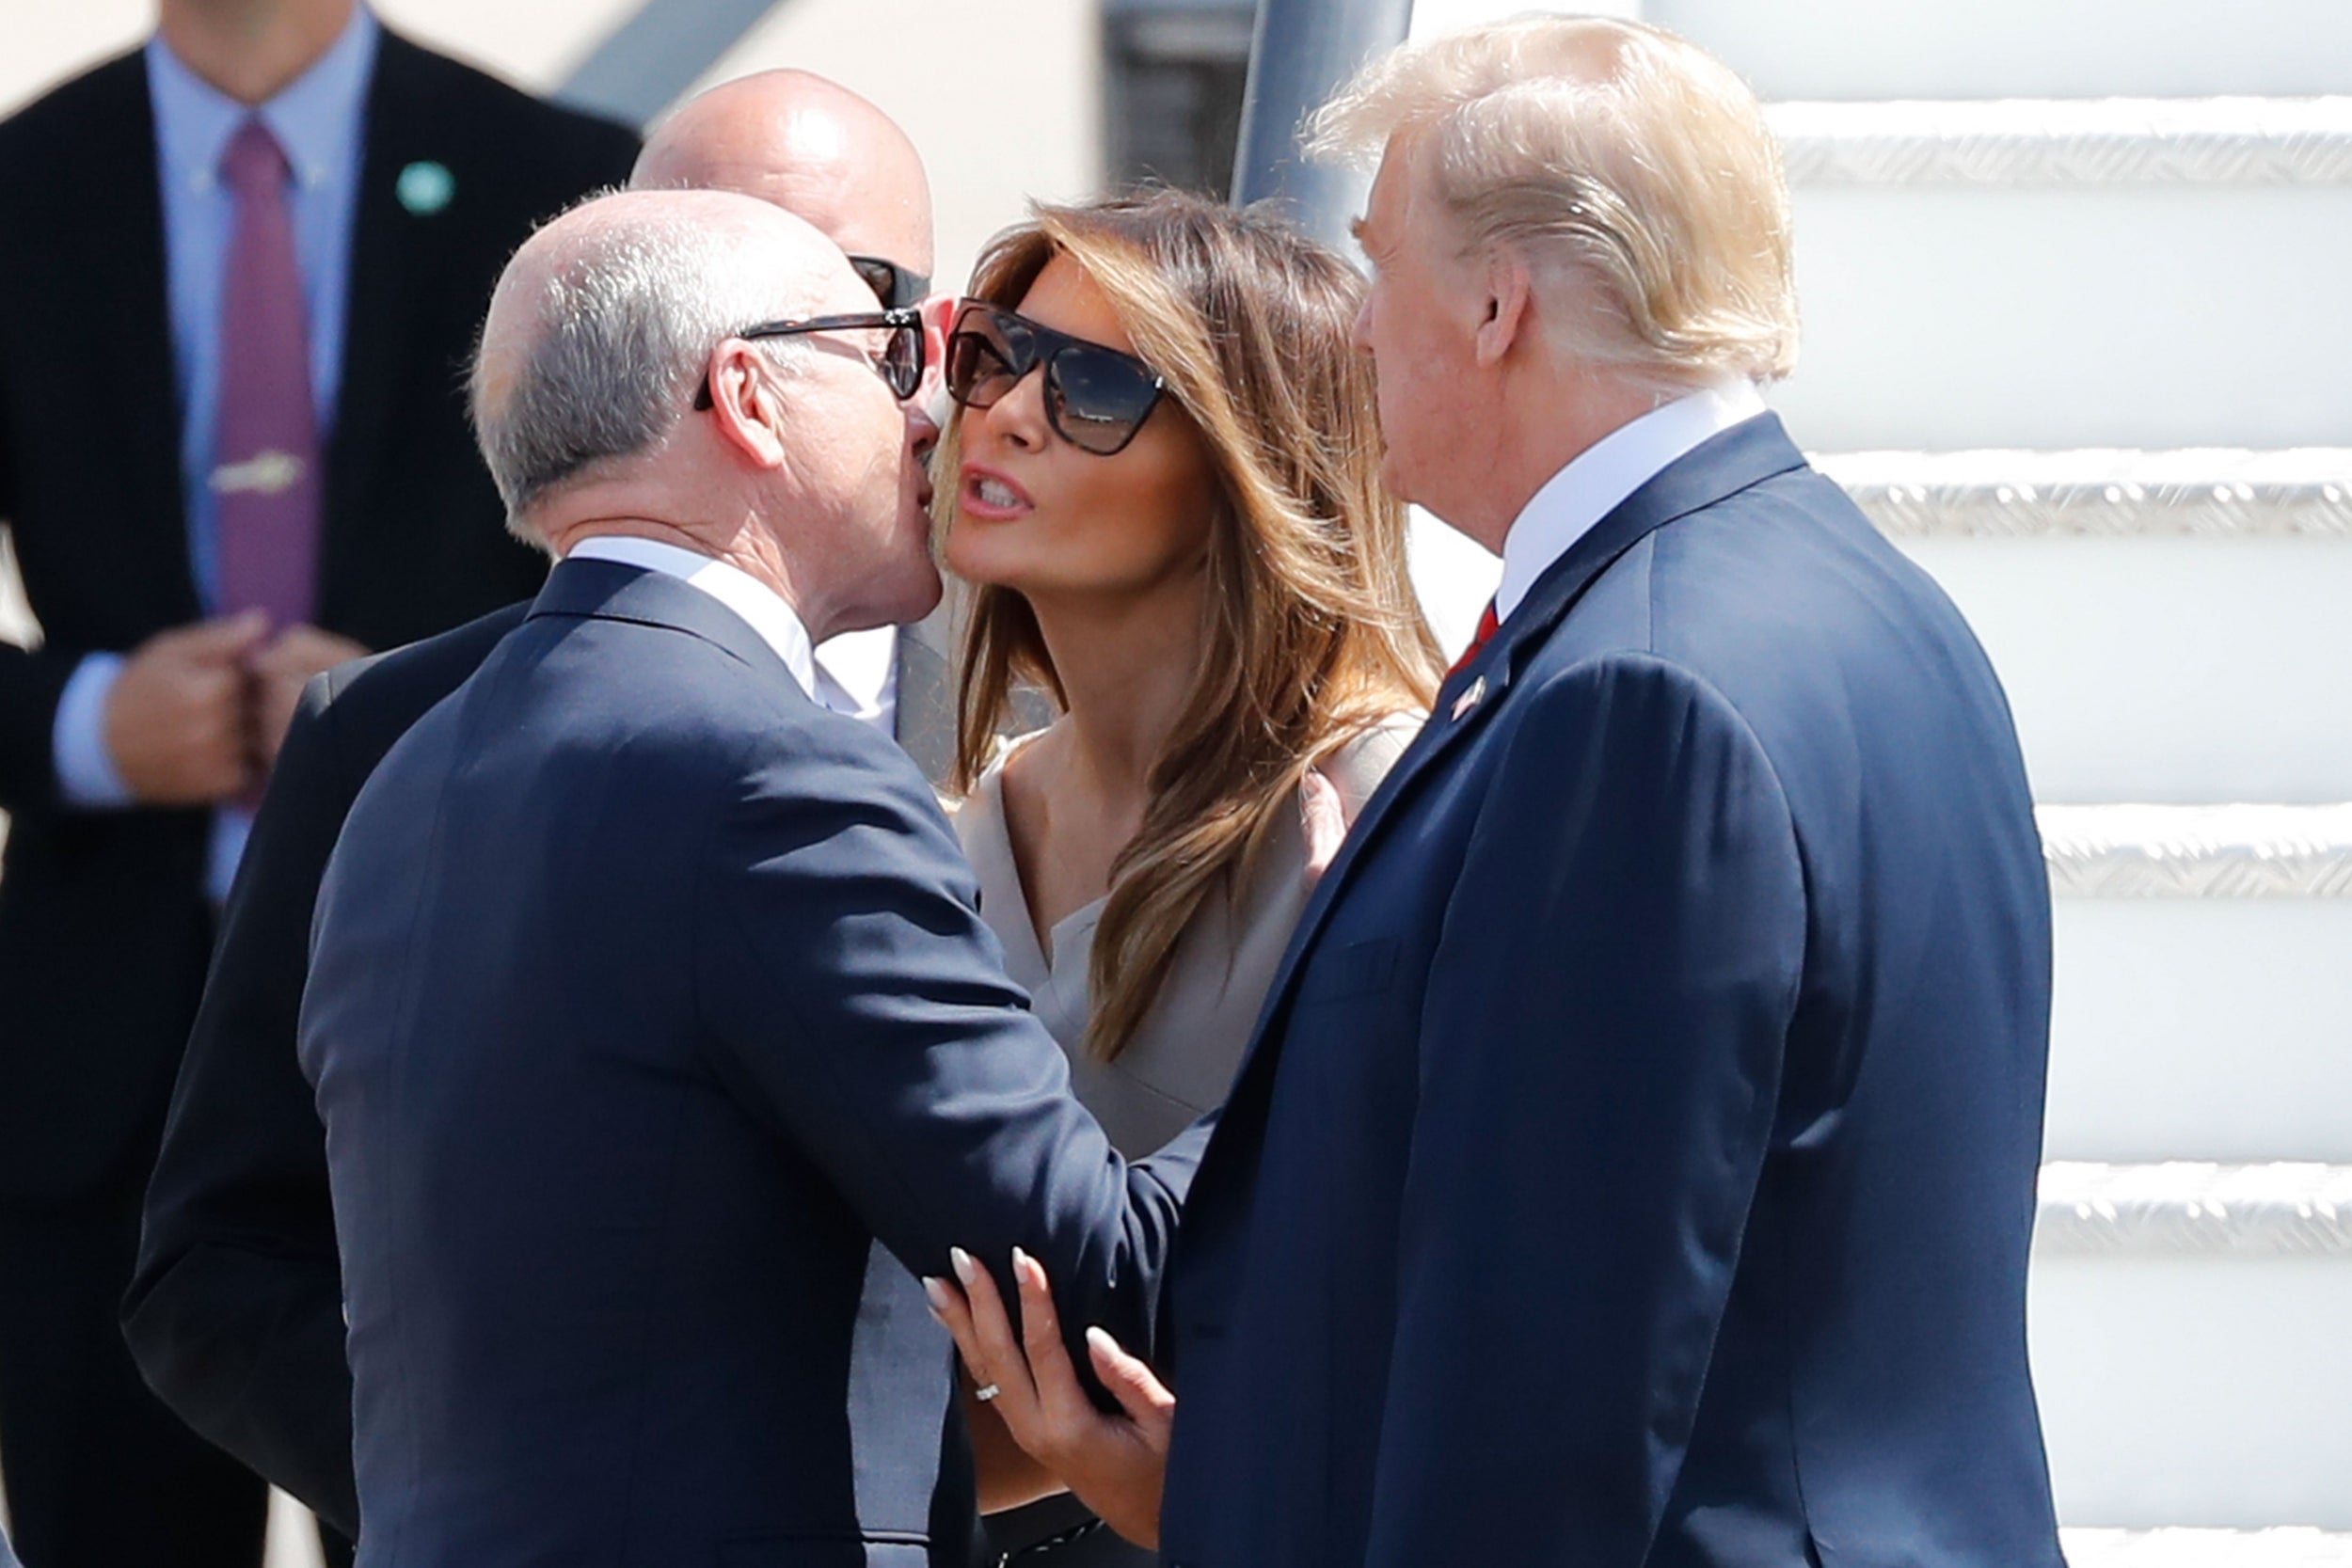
{"x":1356,"y":766}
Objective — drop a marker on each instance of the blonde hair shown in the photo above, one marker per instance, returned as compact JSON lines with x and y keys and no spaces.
{"x":1613,"y":155}
{"x":1310,"y":631}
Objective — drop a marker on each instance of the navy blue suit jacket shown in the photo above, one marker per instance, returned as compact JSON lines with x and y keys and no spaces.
{"x":1635,"y":1162}
{"x":645,"y":997}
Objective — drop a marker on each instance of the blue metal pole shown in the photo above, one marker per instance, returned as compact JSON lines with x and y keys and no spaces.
{"x":658,"y":52}
{"x":1303,"y":49}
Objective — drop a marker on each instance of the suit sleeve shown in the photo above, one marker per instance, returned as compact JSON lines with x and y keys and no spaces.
{"x":235,"y":1313}
{"x":31,"y":685}
{"x":863,"y":1007}
{"x":1600,"y":1056}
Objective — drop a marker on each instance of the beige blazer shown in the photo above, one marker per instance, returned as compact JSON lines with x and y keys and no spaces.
{"x":1181,"y":1062}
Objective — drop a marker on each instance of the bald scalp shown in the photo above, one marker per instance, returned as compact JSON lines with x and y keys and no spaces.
{"x":805,"y":143}
{"x":605,"y":321}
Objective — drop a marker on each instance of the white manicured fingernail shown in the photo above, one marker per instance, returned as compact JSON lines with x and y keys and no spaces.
{"x":965,"y":1267}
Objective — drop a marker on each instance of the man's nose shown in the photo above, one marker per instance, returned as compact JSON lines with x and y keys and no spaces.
{"x":922,"y":430}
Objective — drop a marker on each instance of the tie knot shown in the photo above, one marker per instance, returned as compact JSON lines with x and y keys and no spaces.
{"x":254,"y":161}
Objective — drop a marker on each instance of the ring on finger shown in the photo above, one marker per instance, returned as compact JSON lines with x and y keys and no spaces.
{"x":986,"y":1392}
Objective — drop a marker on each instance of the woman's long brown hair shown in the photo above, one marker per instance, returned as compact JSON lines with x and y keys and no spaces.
{"x":1310,"y":631}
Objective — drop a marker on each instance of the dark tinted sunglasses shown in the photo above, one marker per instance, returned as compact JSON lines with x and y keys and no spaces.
{"x":897,"y":286}
{"x":901,"y":363}
{"x":1096,"y":398}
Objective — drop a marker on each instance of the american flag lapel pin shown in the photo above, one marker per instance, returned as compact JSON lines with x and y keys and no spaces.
{"x":1470,"y":698}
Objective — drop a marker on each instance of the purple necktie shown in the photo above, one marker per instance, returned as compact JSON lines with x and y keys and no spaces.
{"x":265,"y":451}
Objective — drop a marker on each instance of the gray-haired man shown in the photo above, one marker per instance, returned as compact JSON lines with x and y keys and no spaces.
{"x":648,"y":994}
{"x":234,"y":1314}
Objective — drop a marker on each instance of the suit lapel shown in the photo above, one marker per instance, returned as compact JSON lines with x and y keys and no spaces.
{"x":1743,"y":455}
{"x":395,"y":257}
{"x":118,"y":270}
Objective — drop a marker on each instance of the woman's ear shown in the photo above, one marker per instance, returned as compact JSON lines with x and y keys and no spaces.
{"x":1507,"y":306}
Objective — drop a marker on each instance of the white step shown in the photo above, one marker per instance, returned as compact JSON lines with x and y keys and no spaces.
{"x":2101,"y":493}
{"x":1859,"y":49}
{"x":2187,"y":1331}
{"x":2280,"y":1546}
{"x":2181,"y":668}
{"x":2278,"y":1208}
{"x":2200,"y":1029}
{"x":2169,"y":623}
{"x":2118,"y":282}
{"x":2228,"y":851}
{"x":2203,"y":999}
{"x":2166,"y":647}
{"x":2014,"y":142}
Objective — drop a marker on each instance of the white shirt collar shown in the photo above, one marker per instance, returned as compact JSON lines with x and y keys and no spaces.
{"x":1577,"y":498}
{"x":759,"y":605}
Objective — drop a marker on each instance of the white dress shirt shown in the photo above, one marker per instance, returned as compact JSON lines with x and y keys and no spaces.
{"x":849,"y":686}
{"x":1577,"y":498}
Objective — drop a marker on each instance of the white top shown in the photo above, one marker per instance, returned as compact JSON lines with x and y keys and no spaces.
{"x":1182,"y":1061}
{"x":853,"y":674}
{"x":1605,"y":473}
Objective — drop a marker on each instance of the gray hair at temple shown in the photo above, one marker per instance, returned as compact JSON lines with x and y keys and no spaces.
{"x":616,"y":336}
{"x":1613,"y":157}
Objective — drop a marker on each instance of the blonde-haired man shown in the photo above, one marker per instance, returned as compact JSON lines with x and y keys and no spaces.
{"x":1635,"y":1162}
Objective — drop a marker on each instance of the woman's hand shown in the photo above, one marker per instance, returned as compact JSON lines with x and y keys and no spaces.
{"x":1115,"y":1464}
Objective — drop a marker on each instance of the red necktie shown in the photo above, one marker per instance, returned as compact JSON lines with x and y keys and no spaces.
{"x":265,"y":451}
{"x":1488,"y":622}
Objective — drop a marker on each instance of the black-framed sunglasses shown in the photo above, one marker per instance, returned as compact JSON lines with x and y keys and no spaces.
{"x":901,"y":360}
{"x":1096,"y":398}
{"x":899,"y":288}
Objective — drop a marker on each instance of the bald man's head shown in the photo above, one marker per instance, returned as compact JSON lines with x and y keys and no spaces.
{"x":809,"y":146}
{"x":602,"y":325}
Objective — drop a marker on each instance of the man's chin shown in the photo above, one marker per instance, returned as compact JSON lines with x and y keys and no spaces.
{"x":922,"y":597}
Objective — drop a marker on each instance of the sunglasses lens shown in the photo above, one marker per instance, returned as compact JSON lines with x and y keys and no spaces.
{"x":902,"y":360}
{"x":1098,"y":398}
{"x":879,"y":276}
{"x":978,"y":366}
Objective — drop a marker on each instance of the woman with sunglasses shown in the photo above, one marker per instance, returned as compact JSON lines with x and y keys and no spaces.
{"x":1162,"y":485}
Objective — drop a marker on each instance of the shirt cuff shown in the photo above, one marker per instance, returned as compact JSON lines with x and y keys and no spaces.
{"x":86,"y":769}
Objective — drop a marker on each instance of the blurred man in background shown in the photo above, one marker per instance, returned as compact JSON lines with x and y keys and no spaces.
{"x":239,"y":270}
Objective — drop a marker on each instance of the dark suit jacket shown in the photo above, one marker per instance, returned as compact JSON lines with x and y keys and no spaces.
{"x":1635,"y":1162}
{"x":646,"y":996}
{"x":104,"y":928}
{"x":235,"y":1314}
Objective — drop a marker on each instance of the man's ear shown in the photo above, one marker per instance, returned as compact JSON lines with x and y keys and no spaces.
{"x":744,"y":403}
{"x":1506,"y":305}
